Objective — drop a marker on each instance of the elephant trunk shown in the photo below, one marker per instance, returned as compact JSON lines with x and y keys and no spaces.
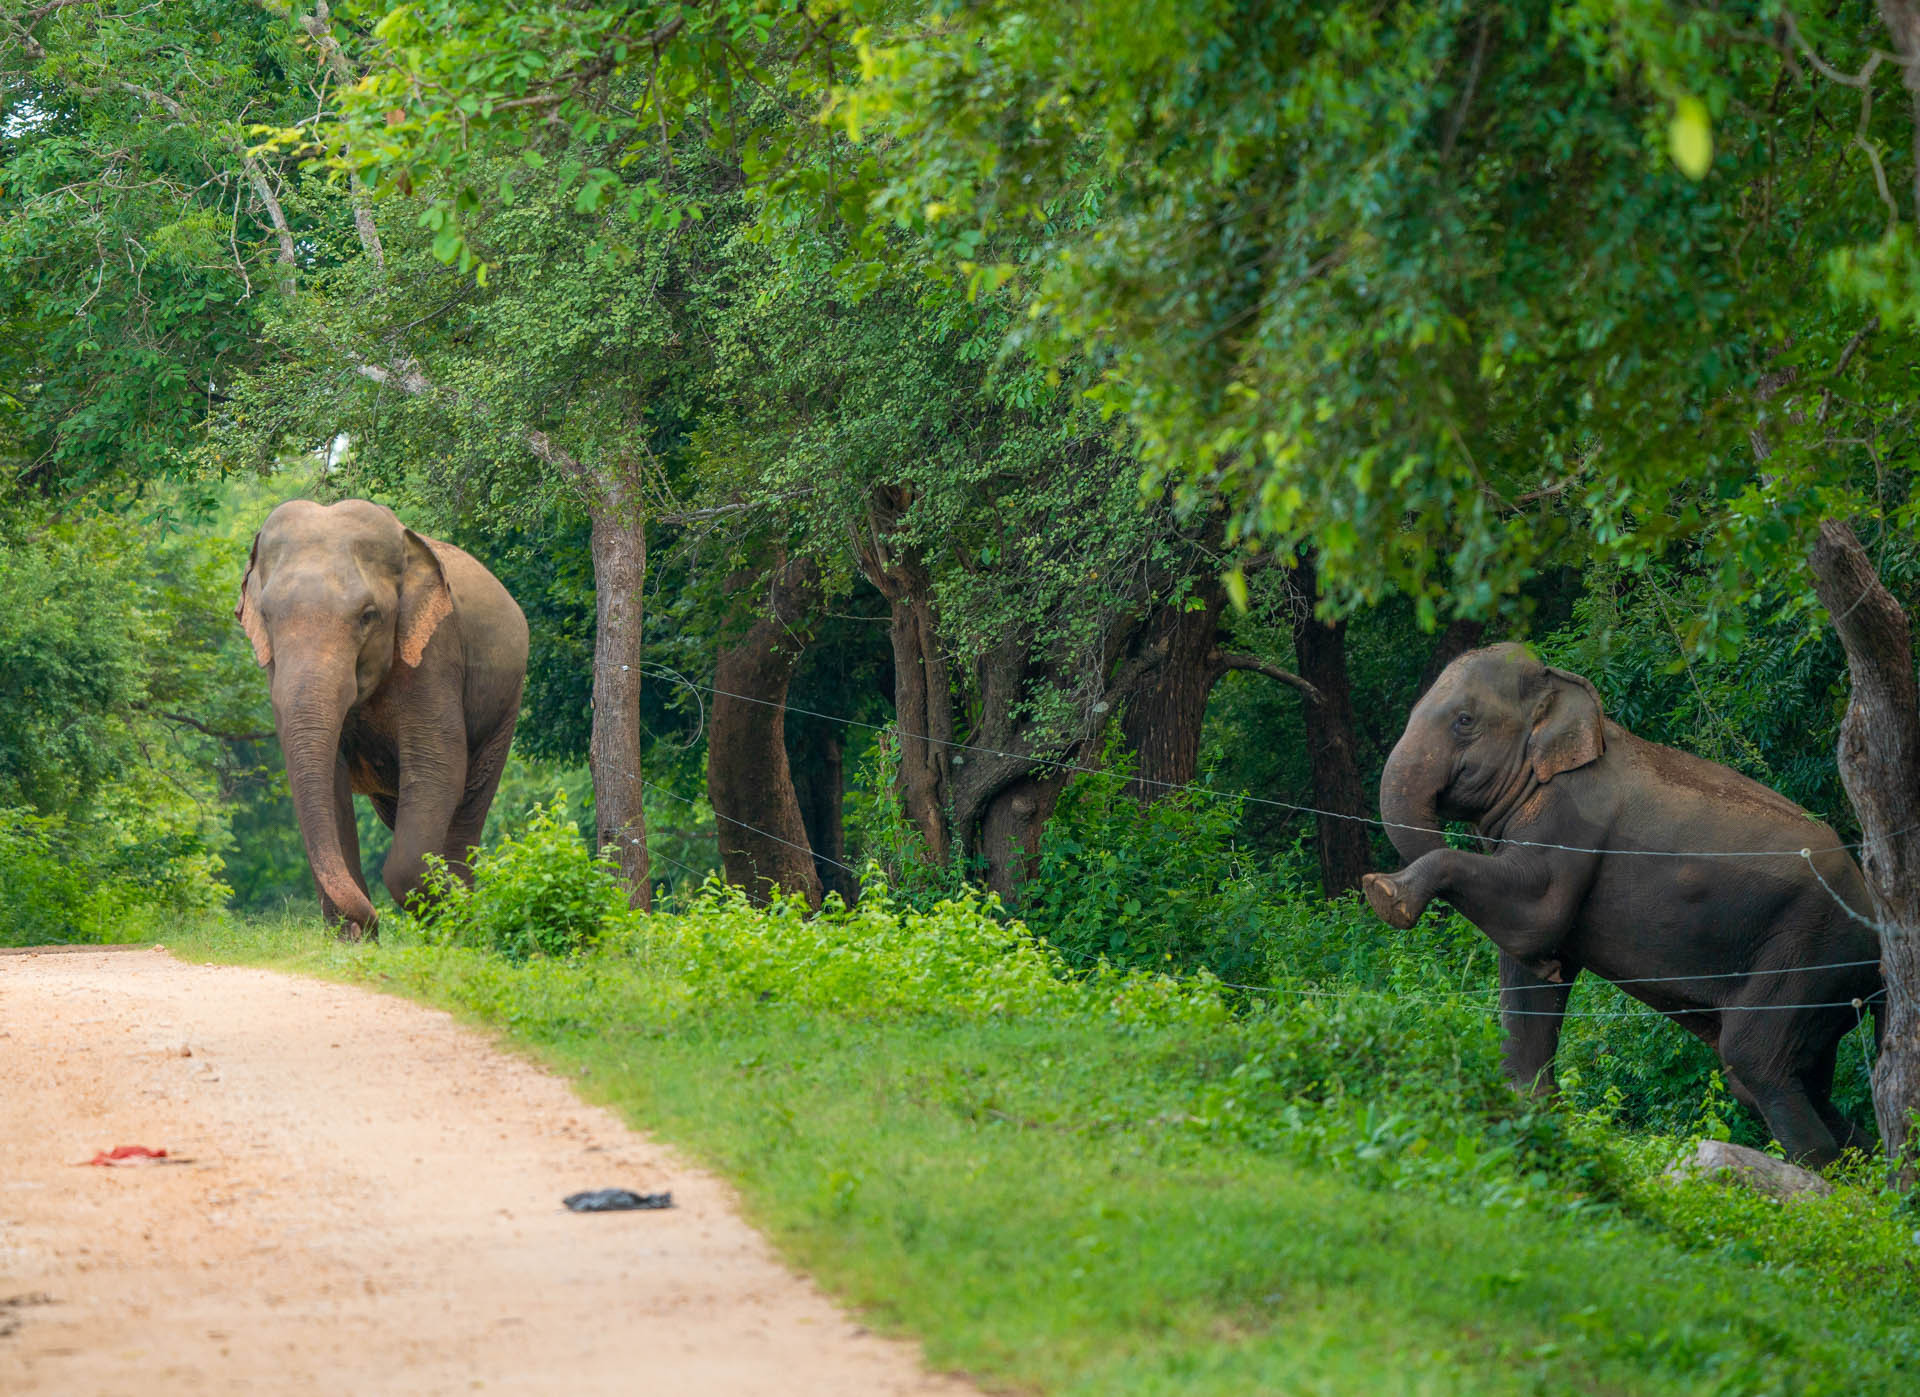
{"x":1409,"y":795}
{"x":310,"y":704}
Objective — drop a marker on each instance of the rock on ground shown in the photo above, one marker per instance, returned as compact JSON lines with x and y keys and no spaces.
{"x":1717,"y":1159}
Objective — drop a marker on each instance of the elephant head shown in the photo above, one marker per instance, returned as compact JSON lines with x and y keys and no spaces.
{"x":334,"y":598}
{"x":1494,"y":721}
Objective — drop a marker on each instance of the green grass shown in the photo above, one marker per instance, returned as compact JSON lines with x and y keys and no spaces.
{"x":1062,"y":1202}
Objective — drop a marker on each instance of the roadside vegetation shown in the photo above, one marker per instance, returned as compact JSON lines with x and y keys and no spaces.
{"x":1076,"y":1178}
{"x":999,"y":476}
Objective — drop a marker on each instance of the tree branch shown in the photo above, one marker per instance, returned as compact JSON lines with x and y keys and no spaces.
{"x":199,"y":726}
{"x":257,"y":177}
{"x":691,"y":516}
{"x":318,"y":26}
{"x":1253,"y":664}
{"x":411,"y":379}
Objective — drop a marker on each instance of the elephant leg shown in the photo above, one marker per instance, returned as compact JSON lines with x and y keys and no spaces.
{"x":1751,"y":1050}
{"x":483,"y":779}
{"x":1818,"y":1080}
{"x":431,"y":787}
{"x":349,"y":840}
{"x":1531,"y":1010}
{"x":1523,"y":898}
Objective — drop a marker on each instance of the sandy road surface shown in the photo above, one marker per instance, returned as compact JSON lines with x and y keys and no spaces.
{"x":372,"y":1206}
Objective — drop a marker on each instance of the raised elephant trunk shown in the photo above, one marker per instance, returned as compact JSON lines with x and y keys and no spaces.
{"x":310,"y":703}
{"x":1409,"y":792}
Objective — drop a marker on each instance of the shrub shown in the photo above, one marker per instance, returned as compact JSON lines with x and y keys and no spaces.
{"x":885,"y":957}
{"x":62,"y":881}
{"x":1158,"y":885}
{"x":543,"y":892}
{"x":42,"y":898}
{"x":880,"y":834}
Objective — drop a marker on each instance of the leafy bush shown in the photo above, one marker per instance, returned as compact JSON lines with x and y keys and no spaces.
{"x":885,"y":957}
{"x":543,"y":892}
{"x":1158,"y":885}
{"x":879,"y":832}
{"x":90,"y":882}
{"x":42,"y":898}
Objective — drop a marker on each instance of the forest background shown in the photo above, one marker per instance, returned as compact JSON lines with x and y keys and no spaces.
{"x":938,"y":408}
{"x":1042,"y":449}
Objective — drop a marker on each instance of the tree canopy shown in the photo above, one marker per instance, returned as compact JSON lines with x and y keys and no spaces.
{"x":892,"y":412}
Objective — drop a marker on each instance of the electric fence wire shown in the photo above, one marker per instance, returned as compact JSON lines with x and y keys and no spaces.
{"x":764,"y":834}
{"x":1072,"y":767}
{"x":698,"y":875}
{"x":1470,"y":997}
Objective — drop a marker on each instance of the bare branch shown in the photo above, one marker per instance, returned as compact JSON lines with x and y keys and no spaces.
{"x":318,"y":26}
{"x":1458,"y":117}
{"x":199,"y":726}
{"x":411,"y":379}
{"x":257,"y":177}
{"x":692,"y":516}
{"x":1253,"y":664}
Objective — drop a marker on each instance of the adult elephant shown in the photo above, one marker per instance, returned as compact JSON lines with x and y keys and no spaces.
{"x":1678,"y":879}
{"x":396,"y":663}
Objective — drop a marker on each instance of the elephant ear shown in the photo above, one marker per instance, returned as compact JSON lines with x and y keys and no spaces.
{"x":247,"y":609}
{"x":425,"y":599}
{"x":1567,"y":726}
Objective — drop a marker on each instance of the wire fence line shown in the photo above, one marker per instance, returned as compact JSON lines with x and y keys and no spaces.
{"x":1216,"y":794}
{"x":684,"y":867}
{"x":755,"y":829}
{"x":1474,"y":998}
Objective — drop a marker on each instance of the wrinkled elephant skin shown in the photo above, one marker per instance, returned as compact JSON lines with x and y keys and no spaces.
{"x":1681,"y":879}
{"x":395,"y":664}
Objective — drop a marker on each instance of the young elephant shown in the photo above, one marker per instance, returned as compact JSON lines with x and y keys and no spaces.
{"x":396,"y":663}
{"x":1701,"y":892}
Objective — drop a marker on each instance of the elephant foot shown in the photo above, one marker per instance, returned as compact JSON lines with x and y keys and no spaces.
{"x":346,"y":929}
{"x":1389,"y":901}
{"x":1541,"y":1086}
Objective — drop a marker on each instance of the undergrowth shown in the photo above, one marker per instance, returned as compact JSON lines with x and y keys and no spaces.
{"x":1085,"y":1174}
{"x":97,"y":882}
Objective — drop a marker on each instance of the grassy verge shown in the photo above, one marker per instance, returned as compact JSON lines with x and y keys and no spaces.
{"x":1085,"y":1193}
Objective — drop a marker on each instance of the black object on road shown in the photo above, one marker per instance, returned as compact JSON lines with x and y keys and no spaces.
{"x":615,"y":1200}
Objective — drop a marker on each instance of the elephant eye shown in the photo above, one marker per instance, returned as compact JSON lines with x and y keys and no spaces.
{"x":369,"y":614}
{"x":1463,"y":722}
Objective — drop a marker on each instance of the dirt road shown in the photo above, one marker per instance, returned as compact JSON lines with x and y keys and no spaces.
{"x":372,"y":1205}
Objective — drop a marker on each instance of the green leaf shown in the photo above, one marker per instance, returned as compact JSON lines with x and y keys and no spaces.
{"x":1690,"y":137}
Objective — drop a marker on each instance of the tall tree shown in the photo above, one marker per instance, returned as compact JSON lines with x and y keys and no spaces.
{"x":1525,"y":282}
{"x":142,"y":243}
{"x":1344,"y":846}
{"x":764,"y":845}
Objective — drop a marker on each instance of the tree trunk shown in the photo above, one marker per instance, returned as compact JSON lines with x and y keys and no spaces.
{"x":923,"y":711}
{"x":922,"y":685}
{"x":820,"y":783}
{"x":1010,"y":830}
{"x":1880,"y":767}
{"x":1164,"y":716}
{"x":1320,"y":651}
{"x":613,"y":751}
{"x":763,"y":839}
{"x":988,"y":800}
